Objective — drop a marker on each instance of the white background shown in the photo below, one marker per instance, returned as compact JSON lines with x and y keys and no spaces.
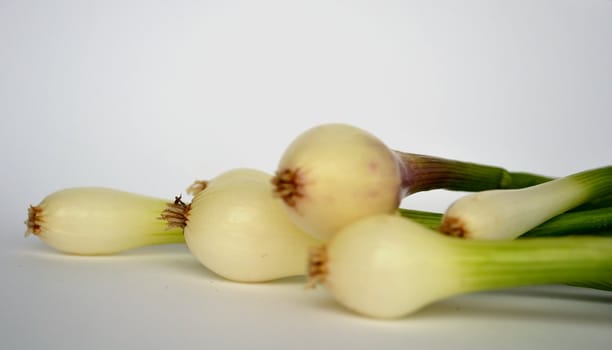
{"x":147,"y":96}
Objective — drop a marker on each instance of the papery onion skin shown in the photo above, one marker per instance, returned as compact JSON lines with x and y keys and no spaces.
{"x":238,"y":231}
{"x":100,"y":221}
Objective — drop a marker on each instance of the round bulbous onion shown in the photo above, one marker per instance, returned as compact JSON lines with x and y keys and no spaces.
{"x":235,"y":228}
{"x":334,"y":174}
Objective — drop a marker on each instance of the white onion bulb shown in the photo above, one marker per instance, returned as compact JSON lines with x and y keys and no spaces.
{"x":237,"y":229}
{"x":334,"y":174}
{"x":92,"y":221}
{"x":507,"y":214}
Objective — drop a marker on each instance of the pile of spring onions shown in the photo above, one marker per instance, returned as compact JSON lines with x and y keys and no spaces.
{"x":330,"y":212}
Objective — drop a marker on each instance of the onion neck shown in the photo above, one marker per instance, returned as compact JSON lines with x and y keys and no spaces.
{"x":423,"y":173}
{"x":168,"y":236}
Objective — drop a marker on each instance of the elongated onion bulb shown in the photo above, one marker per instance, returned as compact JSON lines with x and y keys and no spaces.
{"x":236,"y":229}
{"x":507,"y":214}
{"x":387,"y":266}
{"x":92,"y":221}
{"x":334,"y":174}
{"x":596,"y":221}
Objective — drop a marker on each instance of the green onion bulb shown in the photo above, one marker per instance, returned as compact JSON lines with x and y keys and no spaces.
{"x":93,"y":221}
{"x":386,"y":266}
{"x":507,"y":214}
{"x":334,"y":174}
{"x":235,"y":228}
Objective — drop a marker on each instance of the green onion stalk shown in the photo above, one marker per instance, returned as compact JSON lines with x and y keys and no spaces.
{"x":587,"y":222}
{"x":425,"y":172}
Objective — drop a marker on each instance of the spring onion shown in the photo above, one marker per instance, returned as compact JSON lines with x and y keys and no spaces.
{"x":386,"y":266}
{"x":331,"y":165}
{"x":236,"y":229}
{"x":507,"y":214}
{"x":586,"y":222}
{"x":93,"y":221}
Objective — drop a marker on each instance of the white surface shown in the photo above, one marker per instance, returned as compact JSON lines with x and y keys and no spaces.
{"x":147,"y":96}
